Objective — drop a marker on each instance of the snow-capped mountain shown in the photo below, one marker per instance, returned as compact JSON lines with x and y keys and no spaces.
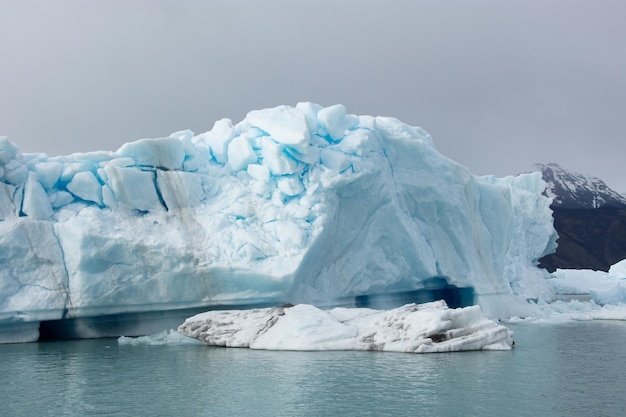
{"x":589,"y":218}
{"x":577,"y":191}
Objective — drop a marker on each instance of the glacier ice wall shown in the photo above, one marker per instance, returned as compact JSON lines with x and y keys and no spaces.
{"x":298,"y":204}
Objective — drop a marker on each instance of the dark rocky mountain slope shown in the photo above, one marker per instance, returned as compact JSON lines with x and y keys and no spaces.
{"x":589,"y":217}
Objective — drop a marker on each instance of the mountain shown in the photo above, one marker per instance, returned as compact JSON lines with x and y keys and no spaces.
{"x":589,"y":217}
{"x":571,"y":190}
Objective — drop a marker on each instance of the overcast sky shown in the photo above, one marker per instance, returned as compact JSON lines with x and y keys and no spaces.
{"x":499,"y":84}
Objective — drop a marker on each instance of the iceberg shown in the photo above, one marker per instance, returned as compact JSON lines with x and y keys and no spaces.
{"x":604,"y":288}
{"x":424,"y":328}
{"x":299,"y":205}
{"x":165,"y":337}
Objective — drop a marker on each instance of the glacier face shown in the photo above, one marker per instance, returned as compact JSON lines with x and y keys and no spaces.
{"x":299,"y":204}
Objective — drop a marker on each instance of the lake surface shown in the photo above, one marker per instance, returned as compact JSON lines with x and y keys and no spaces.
{"x":569,"y":369}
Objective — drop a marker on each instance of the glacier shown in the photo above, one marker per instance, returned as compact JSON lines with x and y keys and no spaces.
{"x":303,"y":204}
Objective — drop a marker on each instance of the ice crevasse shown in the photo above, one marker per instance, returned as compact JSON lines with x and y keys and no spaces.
{"x":300,"y":204}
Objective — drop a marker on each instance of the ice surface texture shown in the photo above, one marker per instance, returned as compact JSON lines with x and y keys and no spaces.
{"x":424,"y":328}
{"x":602,"y":287}
{"x":296,"y":204}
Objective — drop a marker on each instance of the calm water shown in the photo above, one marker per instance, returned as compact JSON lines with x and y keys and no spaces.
{"x":574,"y":369}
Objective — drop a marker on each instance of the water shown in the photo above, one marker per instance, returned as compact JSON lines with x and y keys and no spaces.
{"x":572,"y":369}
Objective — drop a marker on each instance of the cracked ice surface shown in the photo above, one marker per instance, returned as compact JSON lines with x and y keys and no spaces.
{"x":296,"y":204}
{"x":423,"y":328}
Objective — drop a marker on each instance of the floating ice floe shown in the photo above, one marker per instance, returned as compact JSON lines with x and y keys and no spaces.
{"x":166,"y":337}
{"x":604,"y":288}
{"x":413,"y":328}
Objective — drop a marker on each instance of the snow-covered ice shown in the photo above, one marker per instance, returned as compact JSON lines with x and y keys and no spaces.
{"x":423,"y":328}
{"x":299,"y":204}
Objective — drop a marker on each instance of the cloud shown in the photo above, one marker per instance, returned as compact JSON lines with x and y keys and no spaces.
{"x":500,"y":85}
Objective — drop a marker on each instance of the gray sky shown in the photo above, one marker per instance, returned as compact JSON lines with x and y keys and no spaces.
{"x":500,"y":84}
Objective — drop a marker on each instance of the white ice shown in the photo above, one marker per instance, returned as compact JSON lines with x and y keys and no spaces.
{"x":423,"y":328}
{"x":166,"y":337}
{"x":602,"y":287}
